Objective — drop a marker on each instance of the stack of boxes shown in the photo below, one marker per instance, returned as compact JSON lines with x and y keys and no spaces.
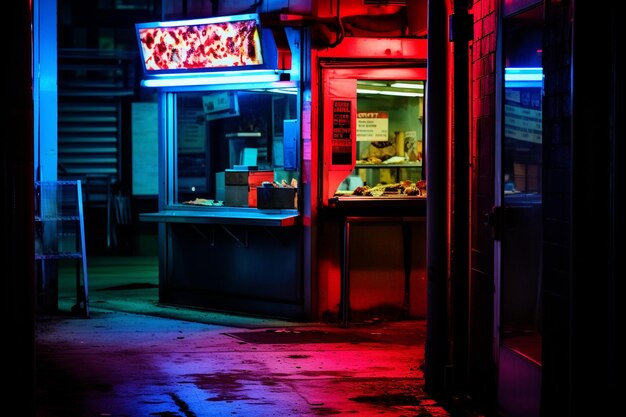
{"x":240,"y":186}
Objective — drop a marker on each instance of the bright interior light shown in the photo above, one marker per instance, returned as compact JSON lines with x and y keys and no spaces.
{"x":230,"y":77}
{"x":389,"y":92}
{"x":285,"y":90}
{"x":414,"y":86}
{"x":523,"y":77}
{"x":523,"y":74}
{"x":372,"y":83}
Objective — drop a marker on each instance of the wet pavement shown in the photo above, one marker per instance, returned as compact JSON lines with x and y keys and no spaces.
{"x":133,"y":357}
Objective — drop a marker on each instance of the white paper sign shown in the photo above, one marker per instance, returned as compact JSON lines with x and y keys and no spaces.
{"x":372,"y":126}
{"x":145,"y":141}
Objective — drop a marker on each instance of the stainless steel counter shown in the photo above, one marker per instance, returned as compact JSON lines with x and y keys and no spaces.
{"x":242,"y":216}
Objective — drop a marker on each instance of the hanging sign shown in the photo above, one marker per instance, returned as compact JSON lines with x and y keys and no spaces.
{"x":342,"y":133}
{"x":200,"y":44}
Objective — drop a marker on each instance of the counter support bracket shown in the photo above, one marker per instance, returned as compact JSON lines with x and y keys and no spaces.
{"x":270,"y":231}
{"x":241,"y":242}
{"x":211,"y":239}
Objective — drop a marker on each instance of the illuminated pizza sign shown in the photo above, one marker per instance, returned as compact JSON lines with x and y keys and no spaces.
{"x":200,"y":45}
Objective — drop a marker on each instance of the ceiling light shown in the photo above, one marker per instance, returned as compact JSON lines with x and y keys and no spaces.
{"x":415,"y":86}
{"x":389,"y":92}
{"x":215,"y":78}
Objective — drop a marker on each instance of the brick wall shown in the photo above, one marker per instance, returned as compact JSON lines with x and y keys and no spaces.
{"x":482,"y":69}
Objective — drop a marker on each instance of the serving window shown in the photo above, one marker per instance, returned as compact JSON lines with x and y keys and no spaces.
{"x":389,"y":137}
{"x":216,"y":132}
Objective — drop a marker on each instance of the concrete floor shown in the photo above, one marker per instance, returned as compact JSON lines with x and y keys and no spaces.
{"x":133,"y":357}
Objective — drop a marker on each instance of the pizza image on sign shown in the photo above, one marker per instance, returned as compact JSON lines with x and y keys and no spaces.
{"x":200,"y":46}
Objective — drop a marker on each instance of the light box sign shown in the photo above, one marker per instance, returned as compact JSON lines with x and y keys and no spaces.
{"x":186,"y":46}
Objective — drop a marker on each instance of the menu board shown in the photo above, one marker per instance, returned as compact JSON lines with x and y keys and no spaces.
{"x":342,"y":133}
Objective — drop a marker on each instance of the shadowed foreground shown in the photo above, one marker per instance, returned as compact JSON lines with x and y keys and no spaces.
{"x":135,"y":358}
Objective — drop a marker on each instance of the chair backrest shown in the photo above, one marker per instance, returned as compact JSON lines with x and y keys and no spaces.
{"x":121,"y":204}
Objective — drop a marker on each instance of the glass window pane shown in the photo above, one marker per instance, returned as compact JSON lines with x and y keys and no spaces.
{"x":222,"y":130}
{"x":521,"y":169}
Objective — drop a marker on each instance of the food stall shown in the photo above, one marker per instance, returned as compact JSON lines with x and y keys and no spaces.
{"x":291,"y":176}
{"x":372,"y":203}
{"x":229,"y":221}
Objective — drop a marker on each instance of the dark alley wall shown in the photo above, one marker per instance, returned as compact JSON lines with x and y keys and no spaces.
{"x":17,"y":233}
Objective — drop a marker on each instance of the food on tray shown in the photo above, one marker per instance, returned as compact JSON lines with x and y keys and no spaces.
{"x":395,"y":160}
{"x":422,"y":187}
{"x":203,"y":202}
{"x":379,"y":150}
{"x":406,"y":187}
{"x":387,"y":152}
{"x":370,"y":160}
{"x":412,"y":190}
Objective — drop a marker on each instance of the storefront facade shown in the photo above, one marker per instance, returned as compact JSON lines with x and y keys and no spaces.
{"x":477,"y":301}
{"x":228,"y":136}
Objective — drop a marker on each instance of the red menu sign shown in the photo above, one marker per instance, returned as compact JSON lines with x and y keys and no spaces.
{"x":342,"y":133}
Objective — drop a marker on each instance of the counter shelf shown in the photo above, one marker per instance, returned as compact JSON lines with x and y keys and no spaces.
{"x":386,"y":204}
{"x":401,"y":165}
{"x":233,"y":216}
{"x":239,"y":259}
